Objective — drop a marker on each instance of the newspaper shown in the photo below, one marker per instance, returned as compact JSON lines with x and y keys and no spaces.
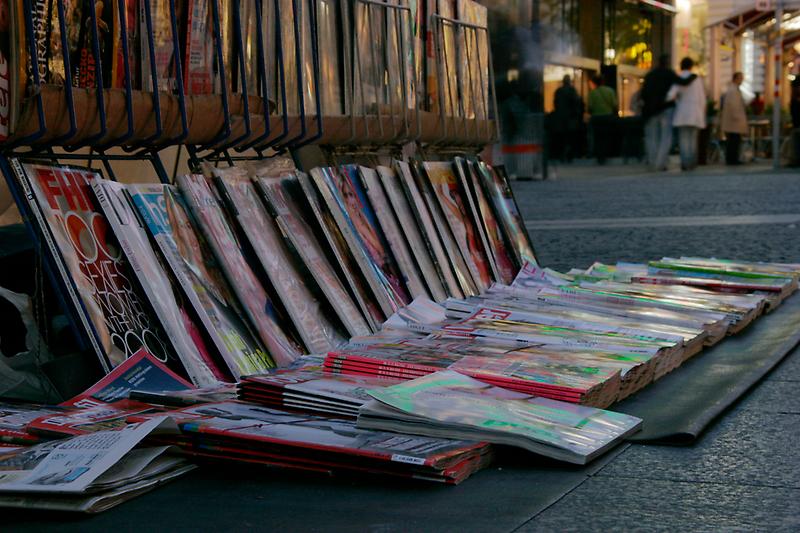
{"x":72,"y":465}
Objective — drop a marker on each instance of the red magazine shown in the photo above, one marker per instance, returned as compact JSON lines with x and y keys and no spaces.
{"x":105,"y":404}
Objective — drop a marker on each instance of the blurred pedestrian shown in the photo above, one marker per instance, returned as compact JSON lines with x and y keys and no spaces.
{"x":602,"y":110}
{"x":690,"y":113}
{"x":567,"y":114}
{"x":757,"y":105}
{"x":733,"y":120}
{"x":657,"y":111}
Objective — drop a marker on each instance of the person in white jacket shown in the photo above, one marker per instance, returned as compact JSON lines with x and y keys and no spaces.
{"x":690,"y":114}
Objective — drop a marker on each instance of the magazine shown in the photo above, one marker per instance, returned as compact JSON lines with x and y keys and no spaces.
{"x":244,"y":431}
{"x":344,"y":258}
{"x":499,"y":250}
{"x":456,"y":260}
{"x":416,"y":242}
{"x":456,"y":210}
{"x":182,"y":332}
{"x":14,"y":420}
{"x":92,"y":267}
{"x":296,"y":231}
{"x":498,"y":190}
{"x":198,"y":59}
{"x":436,"y":249}
{"x":163,"y":49}
{"x":348,"y":187}
{"x":337,"y":190}
{"x":106,"y":404}
{"x":448,"y":403}
{"x":394,"y":235}
{"x":6,"y":74}
{"x":311,"y":389}
{"x":194,"y":267}
{"x":251,"y":293}
{"x":315,"y":330}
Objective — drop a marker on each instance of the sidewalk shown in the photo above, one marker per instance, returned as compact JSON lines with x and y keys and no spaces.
{"x":744,"y":473}
{"x":588,"y":168}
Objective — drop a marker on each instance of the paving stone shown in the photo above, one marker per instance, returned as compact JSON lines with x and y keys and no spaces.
{"x":772,"y":396}
{"x":788,"y":369}
{"x":744,"y":447}
{"x":615,"y":504}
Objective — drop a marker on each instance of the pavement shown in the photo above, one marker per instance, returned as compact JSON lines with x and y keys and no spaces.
{"x":743,"y":474}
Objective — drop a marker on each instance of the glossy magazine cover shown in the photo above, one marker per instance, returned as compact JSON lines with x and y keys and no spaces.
{"x":254,"y":299}
{"x":562,"y":430}
{"x":497,"y":245}
{"x":302,"y":239}
{"x":196,"y":271}
{"x":394,"y":235}
{"x":456,"y":210}
{"x":168,"y":304}
{"x":315,"y":330}
{"x":411,"y":232}
{"x":333,"y":234}
{"x":499,"y":192}
{"x":362,"y":240}
{"x":82,"y":239}
{"x":438,"y":254}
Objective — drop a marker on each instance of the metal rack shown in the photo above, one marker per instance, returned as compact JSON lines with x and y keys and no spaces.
{"x":281,"y":107}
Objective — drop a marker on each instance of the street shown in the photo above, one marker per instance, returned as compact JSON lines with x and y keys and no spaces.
{"x":744,"y":473}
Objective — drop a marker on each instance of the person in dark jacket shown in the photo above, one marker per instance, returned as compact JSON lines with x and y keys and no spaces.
{"x":567,"y":114}
{"x":657,"y":111}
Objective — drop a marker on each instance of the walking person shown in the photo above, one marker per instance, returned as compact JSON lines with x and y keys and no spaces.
{"x":690,"y":113}
{"x":602,"y":110}
{"x":794,"y":111}
{"x":657,"y":111}
{"x":567,"y":114}
{"x":733,"y":120}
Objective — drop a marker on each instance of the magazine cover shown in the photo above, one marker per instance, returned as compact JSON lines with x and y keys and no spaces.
{"x":344,"y":258}
{"x":198,"y":59}
{"x":447,"y":60}
{"x":434,"y":243}
{"x":450,"y":402}
{"x":180,"y":329}
{"x":342,"y":201}
{"x":196,"y":271}
{"x":89,"y":256}
{"x":163,"y":46}
{"x":457,"y":263}
{"x":462,"y":175}
{"x":304,"y":243}
{"x":499,"y":250}
{"x":411,"y":231}
{"x":498,"y":190}
{"x":226,"y":248}
{"x":456,"y":212}
{"x":104,"y":22}
{"x":394,"y":235}
{"x":315,"y":330}
{"x":330,"y":62}
{"x":473,"y":52}
{"x":130,"y":18}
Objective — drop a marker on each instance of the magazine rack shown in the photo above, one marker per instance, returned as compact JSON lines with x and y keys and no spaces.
{"x":260,"y":114}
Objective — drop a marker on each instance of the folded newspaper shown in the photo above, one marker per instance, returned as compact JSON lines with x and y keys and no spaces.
{"x":450,"y":404}
{"x":88,"y":473}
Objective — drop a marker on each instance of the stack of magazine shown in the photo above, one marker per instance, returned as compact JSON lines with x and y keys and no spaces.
{"x":389,"y":320}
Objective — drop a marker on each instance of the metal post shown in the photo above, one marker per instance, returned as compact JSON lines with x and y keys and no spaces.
{"x":776,"y":102}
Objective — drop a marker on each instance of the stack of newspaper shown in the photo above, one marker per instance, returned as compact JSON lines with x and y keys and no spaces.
{"x":88,"y":473}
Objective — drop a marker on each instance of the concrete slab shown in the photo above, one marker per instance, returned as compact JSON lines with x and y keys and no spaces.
{"x":745,"y":448}
{"x":613,"y":504}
